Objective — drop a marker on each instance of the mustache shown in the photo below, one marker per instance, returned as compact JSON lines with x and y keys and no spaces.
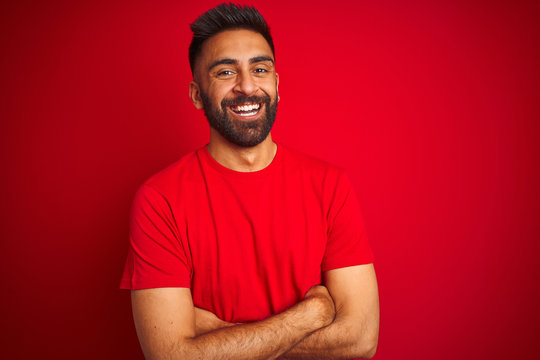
{"x":242,"y":99}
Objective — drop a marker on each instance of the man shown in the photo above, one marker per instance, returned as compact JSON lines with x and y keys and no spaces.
{"x":230,"y":246}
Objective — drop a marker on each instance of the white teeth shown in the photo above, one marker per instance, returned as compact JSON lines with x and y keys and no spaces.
{"x":248,"y":113}
{"x":247,"y":107}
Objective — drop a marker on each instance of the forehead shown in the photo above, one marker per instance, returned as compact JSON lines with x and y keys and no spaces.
{"x":238,"y":44}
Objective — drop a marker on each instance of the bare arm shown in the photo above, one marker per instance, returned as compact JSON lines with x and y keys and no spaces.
{"x":354,"y":332}
{"x":165,"y":323}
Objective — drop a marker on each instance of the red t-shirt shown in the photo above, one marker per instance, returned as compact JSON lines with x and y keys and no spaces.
{"x":248,"y":244}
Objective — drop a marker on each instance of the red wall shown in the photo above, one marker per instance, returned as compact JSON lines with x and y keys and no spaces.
{"x":433,"y":107}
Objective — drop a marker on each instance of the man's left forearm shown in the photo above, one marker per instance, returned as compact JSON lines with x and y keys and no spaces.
{"x":343,"y":339}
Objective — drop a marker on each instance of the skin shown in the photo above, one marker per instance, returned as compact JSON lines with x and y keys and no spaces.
{"x":339,"y":320}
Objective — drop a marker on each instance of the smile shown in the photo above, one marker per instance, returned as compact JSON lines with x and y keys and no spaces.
{"x":246,"y":109}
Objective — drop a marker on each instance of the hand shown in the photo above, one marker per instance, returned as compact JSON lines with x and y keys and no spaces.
{"x":206,"y":321}
{"x":324,"y":303}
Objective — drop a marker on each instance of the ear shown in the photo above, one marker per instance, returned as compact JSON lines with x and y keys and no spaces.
{"x":277,"y":86}
{"x":195,"y":95}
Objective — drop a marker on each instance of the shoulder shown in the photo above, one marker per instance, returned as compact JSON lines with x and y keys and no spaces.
{"x":174,"y":180}
{"x":182,"y":171}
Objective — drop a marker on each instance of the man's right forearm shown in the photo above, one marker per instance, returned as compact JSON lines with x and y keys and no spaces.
{"x":266,"y":339}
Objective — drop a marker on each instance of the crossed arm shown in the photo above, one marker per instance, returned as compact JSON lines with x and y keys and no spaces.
{"x":341,"y":326}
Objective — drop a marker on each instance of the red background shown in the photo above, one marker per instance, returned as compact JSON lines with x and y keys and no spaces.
{"x":433,"y":107}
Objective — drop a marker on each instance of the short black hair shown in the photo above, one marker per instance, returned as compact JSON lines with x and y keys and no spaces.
{"x":226,"y":17}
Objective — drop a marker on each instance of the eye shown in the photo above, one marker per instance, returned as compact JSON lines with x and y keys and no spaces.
{"x":225,"y":73}
{"x":260,"y":70}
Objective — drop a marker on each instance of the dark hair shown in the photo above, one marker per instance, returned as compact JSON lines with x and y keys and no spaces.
{"x":225,"y":17}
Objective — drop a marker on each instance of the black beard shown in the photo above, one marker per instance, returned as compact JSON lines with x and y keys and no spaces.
{"x":241,"y":133}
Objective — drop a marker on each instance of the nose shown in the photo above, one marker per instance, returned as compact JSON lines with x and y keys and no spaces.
{"x":245,"y":84}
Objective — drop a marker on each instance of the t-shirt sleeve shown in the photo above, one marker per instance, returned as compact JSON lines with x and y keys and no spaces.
{"x":156,"y":256}
{"x":347,"y":241}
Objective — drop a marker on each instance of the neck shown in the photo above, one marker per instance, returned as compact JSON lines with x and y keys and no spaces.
{"x":242,"y":159}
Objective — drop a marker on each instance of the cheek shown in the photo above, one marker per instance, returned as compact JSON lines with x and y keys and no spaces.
{"x":218,"y":93}
{"x":270,"y":86}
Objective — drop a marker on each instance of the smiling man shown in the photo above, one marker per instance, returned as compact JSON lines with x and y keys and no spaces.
{"x":245,"y":249}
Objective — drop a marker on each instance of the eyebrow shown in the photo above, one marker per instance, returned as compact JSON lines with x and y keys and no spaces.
{"x":229,"y":61}
{"x":257,"y":59}
{"x":225,"y":61}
